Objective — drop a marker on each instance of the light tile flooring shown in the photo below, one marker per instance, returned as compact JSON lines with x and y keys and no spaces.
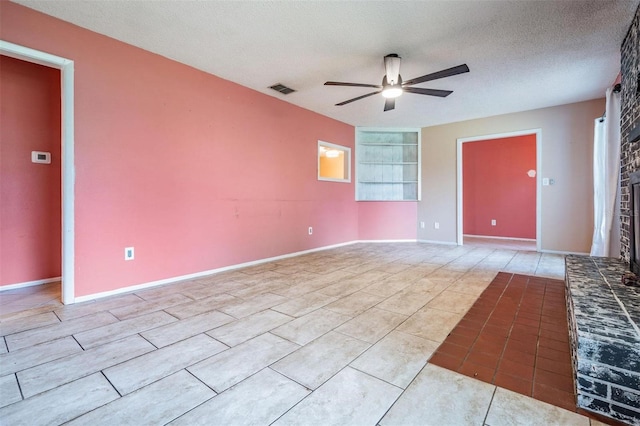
{"x":501,"y":243}
{"x":341,"y":336}
{"x":30,"y":297}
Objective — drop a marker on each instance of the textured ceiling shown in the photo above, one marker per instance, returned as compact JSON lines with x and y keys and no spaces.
{"x":522,"y":54}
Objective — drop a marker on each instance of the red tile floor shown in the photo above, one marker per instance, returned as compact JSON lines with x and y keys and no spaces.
{"x":516,"y":337}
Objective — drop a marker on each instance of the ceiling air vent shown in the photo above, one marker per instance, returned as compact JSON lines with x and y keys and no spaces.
{"x":282,"y":89}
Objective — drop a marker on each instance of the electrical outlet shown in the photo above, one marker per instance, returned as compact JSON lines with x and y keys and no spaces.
{"x":493,"y":222}
{"x":311,"y":230}
{"x":436,"y":225}
{"x":128,"y":253}
{"x":422,"y":225}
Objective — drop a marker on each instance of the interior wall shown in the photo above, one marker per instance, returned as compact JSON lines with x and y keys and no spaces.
{"x":387,"y":220}
{"x":193,"y":171}
{"x":497,"y":186}
{"x":566,"y":156}
{"x":30,"y":198}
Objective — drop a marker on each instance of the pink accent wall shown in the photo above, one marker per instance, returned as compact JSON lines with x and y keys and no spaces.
{"x":30,"y":222}
{"x":193,"y":171}
{"x":387,"y":220}
{"x":496,"y":186}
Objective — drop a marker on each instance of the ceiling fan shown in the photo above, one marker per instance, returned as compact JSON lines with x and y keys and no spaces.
{"x":392,"y":85}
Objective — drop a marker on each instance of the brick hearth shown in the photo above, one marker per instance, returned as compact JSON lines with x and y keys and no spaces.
{"x":605,"y":340}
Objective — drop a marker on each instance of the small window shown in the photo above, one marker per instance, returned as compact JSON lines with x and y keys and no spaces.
{"x":334,"y":162}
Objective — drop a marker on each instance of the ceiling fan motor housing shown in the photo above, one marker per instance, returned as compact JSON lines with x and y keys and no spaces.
{"x":392,"y":68}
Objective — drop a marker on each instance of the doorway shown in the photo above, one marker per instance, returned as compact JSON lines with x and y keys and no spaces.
{"x":498,"y":189}
{"x":67,"y":155}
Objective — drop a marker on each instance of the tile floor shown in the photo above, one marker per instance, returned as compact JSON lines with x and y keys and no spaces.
{"x":30,"y":297}
{"x":341,"y":336}
{"x":500,"y":243}
{"x":515,"y":336}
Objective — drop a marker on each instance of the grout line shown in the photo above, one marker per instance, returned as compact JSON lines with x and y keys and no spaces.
{"x":79,"y":344}
{"x":198,"y":379}
{"x":408,"y":386}
{"x":506,"y":342}
{"x":535,"y":355}
{"x":199,"y":405}
{"x":158,"y":347}
{"x":493,"y":395}
{"x":535,"y":359}
{"x":19,"y":387}
{"x":57,"y":316}
{"x":109,"y":381}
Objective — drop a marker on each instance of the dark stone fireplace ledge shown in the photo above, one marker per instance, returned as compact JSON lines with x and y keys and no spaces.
{"x":603,"y":320}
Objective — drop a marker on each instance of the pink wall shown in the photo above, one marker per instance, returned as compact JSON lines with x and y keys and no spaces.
{"x":30,"y":220}
{"x":193,"y":171}
{"x":387,"y":220}
{"x":496,"y":186}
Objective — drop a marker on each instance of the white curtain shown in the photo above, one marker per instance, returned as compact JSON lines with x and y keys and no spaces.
{"x":606,"y":180}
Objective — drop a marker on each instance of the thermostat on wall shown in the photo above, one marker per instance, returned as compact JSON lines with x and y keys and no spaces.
{"x":40,"y":157}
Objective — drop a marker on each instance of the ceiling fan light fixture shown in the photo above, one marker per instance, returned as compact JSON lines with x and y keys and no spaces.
{"x":392,"y":91}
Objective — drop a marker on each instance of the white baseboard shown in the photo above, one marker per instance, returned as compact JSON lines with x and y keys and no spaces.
{"x":30,"y":283}
{"x":563,"y":252}
{"x":136,"y":287}
{"x":386,"y":241}
{"x":500,"y":238}
{"x":444,"y":243}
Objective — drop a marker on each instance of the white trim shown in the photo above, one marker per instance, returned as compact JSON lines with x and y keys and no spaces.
{"x":499,"y":135}
{"x":29,"y":284}
{"x":577,"y":253}
{"x":499,"y":238}
{"x":67,"y":147}
{"x":204,"y":273}
{"x":538,"y":134}
{"x":444,"y":243}
{"x":409,"y":240}
{"x":459,"y":209}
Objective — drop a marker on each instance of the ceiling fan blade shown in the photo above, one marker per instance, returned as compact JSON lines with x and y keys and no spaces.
{"x":389,"y":104}
{"x":460,"y":69}
{"x":430,"y":92}
{"x":358,"y":98}
{"x":337,"y":83}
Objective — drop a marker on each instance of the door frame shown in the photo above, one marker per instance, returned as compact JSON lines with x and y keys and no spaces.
{"x":459,"y":189}
{"x":66,"y":68}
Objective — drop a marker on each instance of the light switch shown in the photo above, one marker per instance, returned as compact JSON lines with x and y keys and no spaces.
{"x":40,"y":157}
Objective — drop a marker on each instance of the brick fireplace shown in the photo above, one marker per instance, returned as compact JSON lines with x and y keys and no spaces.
{"x":604,"y":314}
{"x":629,"y":120}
